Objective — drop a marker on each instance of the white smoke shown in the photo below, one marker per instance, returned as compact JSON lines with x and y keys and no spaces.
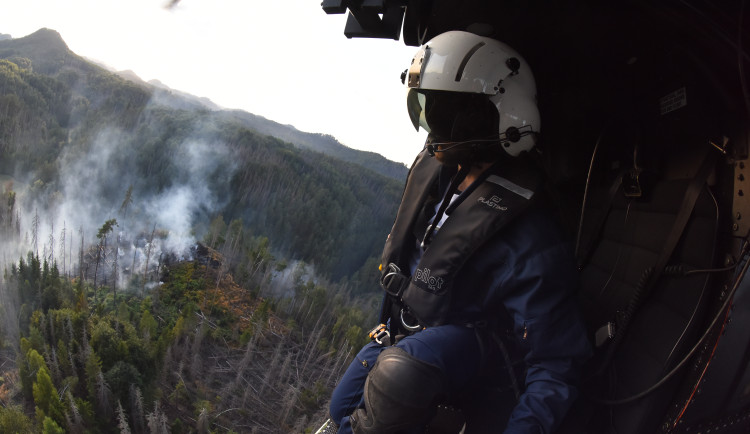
{"x":93,"y":186}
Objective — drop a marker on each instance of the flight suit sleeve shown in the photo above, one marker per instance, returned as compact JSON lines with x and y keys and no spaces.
{"x":549,"y":326}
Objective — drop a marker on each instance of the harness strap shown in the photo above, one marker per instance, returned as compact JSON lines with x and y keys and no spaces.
{"x":583,"y":255}
{"x":683,"y":215}
{"x":455,"y":182}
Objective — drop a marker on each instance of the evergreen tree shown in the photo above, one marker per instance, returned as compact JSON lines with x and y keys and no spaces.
{"x":49,"y":426}
{"x":122,"y":420}
{"x":47,"y":402}
{"x":13,"y":420}
{"x":106,"y":228}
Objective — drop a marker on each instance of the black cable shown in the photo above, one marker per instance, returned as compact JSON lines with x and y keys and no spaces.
{"x":722,"y":311}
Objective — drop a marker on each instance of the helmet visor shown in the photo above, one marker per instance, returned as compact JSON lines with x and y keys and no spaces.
{"x":453,"y":115}
{"x":415,"y":102}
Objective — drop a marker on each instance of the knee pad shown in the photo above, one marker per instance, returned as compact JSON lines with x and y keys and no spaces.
{"x":400,"y":393}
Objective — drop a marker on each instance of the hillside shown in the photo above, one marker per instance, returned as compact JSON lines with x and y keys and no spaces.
{"x":198,"y":353}
{"x":72,"y":130}
{"x":324,"y":143}
{"x":169,"y":267}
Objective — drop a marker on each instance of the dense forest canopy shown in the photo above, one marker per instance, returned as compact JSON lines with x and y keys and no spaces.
{"x":170,"y":266}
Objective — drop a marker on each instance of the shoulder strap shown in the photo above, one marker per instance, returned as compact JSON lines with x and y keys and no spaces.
{"x":582,"y":255}
{"x":423,"y":173}
{"x":683,"y":215}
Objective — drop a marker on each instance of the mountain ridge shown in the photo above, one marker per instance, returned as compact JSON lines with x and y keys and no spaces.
{"x":64,"y":116}
{"x":54,"y":55}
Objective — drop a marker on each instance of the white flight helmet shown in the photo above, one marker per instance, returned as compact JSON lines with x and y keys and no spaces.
{"x":463,"y":62}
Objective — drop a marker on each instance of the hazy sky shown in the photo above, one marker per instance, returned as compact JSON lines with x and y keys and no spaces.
{"x":285,"y":60}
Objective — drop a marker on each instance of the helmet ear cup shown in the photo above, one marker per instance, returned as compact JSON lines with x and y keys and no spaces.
{"x":518,"y":113}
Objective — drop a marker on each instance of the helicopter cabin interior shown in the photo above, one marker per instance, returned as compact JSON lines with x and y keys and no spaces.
{"x":646,"y":115}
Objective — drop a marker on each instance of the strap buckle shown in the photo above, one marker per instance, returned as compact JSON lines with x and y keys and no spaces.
{"x":604,"y":334}
{"x":631,"y":183}
{"x":380,"y":335}
{"x":393,"y":282}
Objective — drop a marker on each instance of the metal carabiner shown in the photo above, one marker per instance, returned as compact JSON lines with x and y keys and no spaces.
{"x":411,"y":328}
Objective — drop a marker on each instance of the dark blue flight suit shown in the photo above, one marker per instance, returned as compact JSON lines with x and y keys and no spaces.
{"x":519,"y":284}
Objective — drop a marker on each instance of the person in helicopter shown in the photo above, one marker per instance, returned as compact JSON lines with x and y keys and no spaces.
{"x":479,"y":279}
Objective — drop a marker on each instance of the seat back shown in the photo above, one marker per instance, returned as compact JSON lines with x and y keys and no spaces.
{"x":670,"y":313}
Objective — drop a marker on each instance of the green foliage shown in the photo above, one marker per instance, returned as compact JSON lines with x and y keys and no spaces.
{"x":49,"y":426}
{"x":106,"y":228}
{"x":107,"y":344}
{"x":45,"y":398}
{"x":93,"y":368}
{"x":14,"y":421}
{"x":98,"y":359}
{"x":312,"y":398}
{"x":148,"y":325}
{"x":120,"y":377}
{"x":177,"y":427}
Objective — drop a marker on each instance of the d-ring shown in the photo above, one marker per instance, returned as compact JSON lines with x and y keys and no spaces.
{"x":411,"y":328}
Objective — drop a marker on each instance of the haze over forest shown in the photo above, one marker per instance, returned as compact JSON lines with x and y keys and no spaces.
{"x":170,"y":266}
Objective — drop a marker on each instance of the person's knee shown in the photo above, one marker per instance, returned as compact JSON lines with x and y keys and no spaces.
{"x":400,"y":393}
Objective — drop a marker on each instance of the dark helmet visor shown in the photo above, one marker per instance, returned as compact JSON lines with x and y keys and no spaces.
{"x":453,"y":115}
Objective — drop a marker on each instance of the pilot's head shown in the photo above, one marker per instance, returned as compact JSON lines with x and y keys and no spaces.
{"x":475,"y":96}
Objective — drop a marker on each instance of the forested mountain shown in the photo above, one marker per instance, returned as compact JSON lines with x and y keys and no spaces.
{"x":58,"y":111}
{"x":324,"y":143}
{"x":172,"y":267}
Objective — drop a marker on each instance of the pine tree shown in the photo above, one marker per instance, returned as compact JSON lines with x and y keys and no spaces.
{"x":75,"y":421}
{"x":45,"y":397}
{"x":157,"y":421}
{"x":106,"y":228}
{"x":80,"y":259}
{"x":127,"y":201}
{"x":51,"y":257}
{"x":13,"y":420}
{"x":93,"y":367}
{"x":35,"y":232}
{"x":49,"y":426}
{"x":114,"y":273}
{"x":62,"y":249}
{"x":203,"y":426}
{"x":136,"y":410}
{"x":148,"y":258}
{"x":122,"y":420}
{"x":103,"y":396}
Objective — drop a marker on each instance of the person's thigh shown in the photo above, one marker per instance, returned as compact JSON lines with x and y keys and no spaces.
{"x":454,"y":349}
{"x":347,"y":395}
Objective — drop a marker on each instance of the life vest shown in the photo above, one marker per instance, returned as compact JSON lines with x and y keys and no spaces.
{"x":500,"y":194}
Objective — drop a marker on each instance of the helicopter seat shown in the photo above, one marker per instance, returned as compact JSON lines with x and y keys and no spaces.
{"x":644,"y":318}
